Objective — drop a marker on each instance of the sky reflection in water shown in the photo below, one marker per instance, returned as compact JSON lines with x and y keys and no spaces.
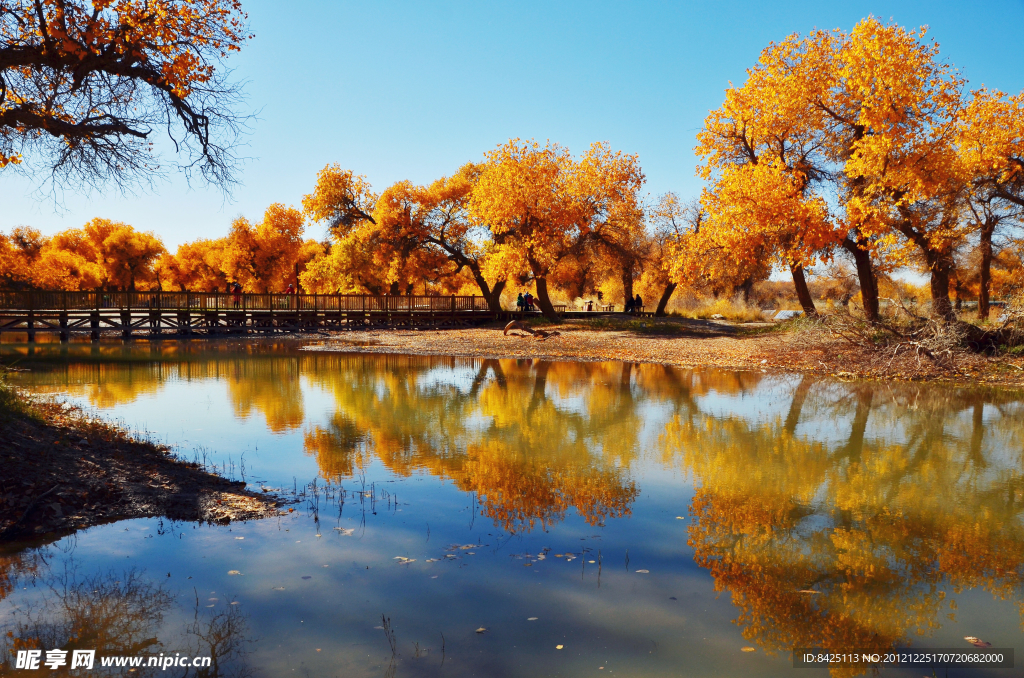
{"x":654,"y":520}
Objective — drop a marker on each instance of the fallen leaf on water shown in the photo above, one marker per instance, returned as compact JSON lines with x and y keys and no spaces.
{"x":531,"y":618}
{"x":307,"y":577}
{"x":279,"y":588}
{"x":233,"y":572}
{"x":527,"y":564}
{"x":558,"y":647}
{"x":680,"y":518}
{"x":643,"y":571}
{"x":239,"y":537}
{"x":234,"y":602}
{"x":591,"y":561}
{"x":481,"y":630}
{"x":981,"y":643}
{"x":808,"y":591}
{"x":747,"y":649}
{"x":559,"y":555}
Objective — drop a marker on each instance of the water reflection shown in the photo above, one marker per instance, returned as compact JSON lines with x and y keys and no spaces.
{"x":833,"y":514}
{"x":119,"y":614}
{"x":853,"y":537}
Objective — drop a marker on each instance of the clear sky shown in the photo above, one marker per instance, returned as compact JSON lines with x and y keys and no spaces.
{"x":411,"y":90}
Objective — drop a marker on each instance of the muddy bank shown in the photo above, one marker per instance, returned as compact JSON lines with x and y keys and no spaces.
{"x":62,"y":471}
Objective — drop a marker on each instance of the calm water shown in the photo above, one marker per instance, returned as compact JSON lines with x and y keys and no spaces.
{"x":650,"y":521}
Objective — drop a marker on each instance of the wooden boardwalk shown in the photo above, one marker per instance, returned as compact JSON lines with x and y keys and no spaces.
{"x":192,"y":314}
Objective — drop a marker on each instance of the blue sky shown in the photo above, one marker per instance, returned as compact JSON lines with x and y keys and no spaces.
{"x":411,"y":90}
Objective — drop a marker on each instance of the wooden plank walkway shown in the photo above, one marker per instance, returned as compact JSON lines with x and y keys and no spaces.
{"x":193,"y":314}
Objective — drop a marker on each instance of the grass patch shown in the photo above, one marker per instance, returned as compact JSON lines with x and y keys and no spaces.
{"x":11,"y":404}
{"x":730,"y":310}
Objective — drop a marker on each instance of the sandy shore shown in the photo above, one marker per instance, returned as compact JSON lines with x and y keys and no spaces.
{"x":689,"y":343}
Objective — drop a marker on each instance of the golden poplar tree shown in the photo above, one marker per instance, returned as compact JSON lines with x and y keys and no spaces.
{"x":86,"y":82}
{"x":542,"y":207}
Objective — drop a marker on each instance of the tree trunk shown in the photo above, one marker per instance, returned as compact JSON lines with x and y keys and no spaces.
{"x":866,"y":275}
{"x":663,"y":302}
{"x":939,"y":284}
{"x":985,"y":247}
{"x":746,"y":287}
{"x":544,"y":301}
{"x":494,"y":296}
{"x":802,"y":293}
{"x":796,"y":405}
{"x":627,"y":285}
{"x":393,"y":290}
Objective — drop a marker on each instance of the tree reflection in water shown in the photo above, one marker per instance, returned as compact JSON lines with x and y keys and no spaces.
{"x":853,"y":542}
{"x":845,"y":520}
{"x":120,"y":615}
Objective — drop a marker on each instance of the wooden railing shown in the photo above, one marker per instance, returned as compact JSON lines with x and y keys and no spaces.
{"x":220,"y":301}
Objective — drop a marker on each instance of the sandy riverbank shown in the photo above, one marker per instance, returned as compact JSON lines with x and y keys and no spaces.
{"x":685,"y":343}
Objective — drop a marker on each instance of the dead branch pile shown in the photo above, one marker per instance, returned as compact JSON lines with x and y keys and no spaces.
{"x":949,"y":346}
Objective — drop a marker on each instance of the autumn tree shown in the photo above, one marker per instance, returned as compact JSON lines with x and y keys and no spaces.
{"x":991,"y":155}
{"x":262,"y":256}
{"x":434,"y":220}
{"x":19,"y":253}
{"x":542,"y":206}
{"x":85,"y":84}
{"x":195,"y":266}
{"x":848,"y":135}
{"x":341,"y":199}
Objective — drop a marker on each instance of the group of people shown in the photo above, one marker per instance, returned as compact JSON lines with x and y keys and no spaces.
{"x":524,"y":302}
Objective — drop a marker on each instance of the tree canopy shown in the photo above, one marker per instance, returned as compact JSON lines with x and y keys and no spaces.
{"x":84,"y":84}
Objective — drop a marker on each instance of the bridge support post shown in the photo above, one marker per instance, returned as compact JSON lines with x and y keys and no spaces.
{"x":64,"y":336}
{"x":94,"y":326}
{"x":126,"y":324}
{"x":31,"y":326}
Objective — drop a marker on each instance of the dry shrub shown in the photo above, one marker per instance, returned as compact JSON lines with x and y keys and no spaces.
{"x":904,"y":341}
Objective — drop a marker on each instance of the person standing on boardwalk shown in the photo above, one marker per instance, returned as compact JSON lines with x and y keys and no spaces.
{"x":520,"y":303}
{"x":236,"y":294}
{"x":638,"y":304}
